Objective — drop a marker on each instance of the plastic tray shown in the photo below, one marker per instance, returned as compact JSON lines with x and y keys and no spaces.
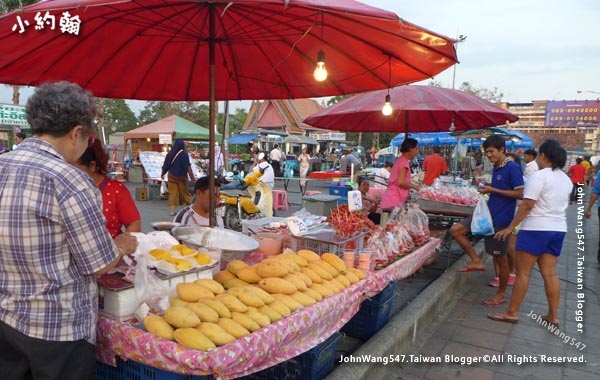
{"x":314,"y":364}
{"x":130,"y":370}
{"x":371,"y":317}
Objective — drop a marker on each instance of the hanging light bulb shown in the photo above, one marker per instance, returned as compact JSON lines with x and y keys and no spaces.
{"x":452,"y":127}
{"x":320,"y":72}
{"x":387,"y":106}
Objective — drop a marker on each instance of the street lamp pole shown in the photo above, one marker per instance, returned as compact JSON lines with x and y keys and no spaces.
{"x":460,"y":38}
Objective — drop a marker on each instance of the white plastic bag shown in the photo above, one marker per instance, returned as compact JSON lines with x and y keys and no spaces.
{"x":149,"y":289}
{"x":482,"y":224}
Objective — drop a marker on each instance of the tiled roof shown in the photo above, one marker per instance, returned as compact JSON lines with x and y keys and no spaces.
{"x":285,"y":115}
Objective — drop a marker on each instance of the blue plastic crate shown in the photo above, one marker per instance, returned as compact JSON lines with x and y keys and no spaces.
{"x":342,"y":191}
{"x":342,"y":201}
{"x":386,"y":293}
{"x":314,"y":364}
{"x":130,"y":370}
{"x":371,"y":317}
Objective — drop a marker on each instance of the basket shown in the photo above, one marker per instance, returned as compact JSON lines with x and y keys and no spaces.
{"x":387,"y":293}
{"x":314,"y":364}
{"x":130,"y":370}
{"x":371,"y":317}
{"x":326,"y":240}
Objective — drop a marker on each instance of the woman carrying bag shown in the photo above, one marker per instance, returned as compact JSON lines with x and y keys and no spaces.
{"x":178,"y":167}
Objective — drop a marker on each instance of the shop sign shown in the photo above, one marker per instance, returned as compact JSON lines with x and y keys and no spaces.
{"x":584,"y":114}
{"x":328,"y":136}
{"x":165,"y":138}
{"x":13,"y":115}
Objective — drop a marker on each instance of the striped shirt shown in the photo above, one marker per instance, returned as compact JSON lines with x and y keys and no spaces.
{"x":52,"y":239}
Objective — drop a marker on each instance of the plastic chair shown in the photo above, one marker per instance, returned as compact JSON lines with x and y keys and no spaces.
{"x":280,"y":200}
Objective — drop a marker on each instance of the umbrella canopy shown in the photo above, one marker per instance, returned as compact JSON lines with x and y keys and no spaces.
{"x":181,"y":127}
{"x":181,"y":49}
{"x":261,"y":49}
{"x":416,"y":109}
{"x":242,"y":138}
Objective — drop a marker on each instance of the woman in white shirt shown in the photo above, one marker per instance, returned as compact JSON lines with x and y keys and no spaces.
{"x":542,"y":214}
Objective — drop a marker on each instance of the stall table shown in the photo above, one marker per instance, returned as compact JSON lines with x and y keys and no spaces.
{"x":271,"y":345}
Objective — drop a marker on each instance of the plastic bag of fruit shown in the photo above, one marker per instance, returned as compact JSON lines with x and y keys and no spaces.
{"x":417,"y":224}
{"x":403,"y":239}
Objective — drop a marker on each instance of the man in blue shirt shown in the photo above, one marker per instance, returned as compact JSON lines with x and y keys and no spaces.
{"x":506,"y":187}
{"x":593,"y":199}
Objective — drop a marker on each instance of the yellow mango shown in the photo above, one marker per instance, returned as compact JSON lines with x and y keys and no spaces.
{"x":232,"y":327}
{"x":249,"y":275}
{"x":308,"y":255}
{"x":322,"y":290}
{"x":216,"y":333}
{"x":247,"y":296}
{"x":271,"y":268}
{"x":232,"y":302}
{"x":217,"y":306}
{"x":303,"y":299}
{"x":312,"y":294}
{"x":157,"y":325}
{"x":193,"y":338}
{"x":275,"y":285}
{"x":223,"y":276}
{"x":312,"y":275}
{"x":244,"y":320}
{"x":190,"y":292}
{"x":260,"y":318}
{"x":235,"y":265}
{"x":210,"y":284}
{"x":179,"y":316}
{"x":204,"y":312}
{"x":335,"y":261}
{"x":280,"y":307}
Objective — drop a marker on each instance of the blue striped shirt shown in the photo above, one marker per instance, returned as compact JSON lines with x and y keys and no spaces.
{"x":52,"y":239}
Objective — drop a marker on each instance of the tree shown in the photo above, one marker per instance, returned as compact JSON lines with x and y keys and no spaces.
{"x":118,"y":115}
{"x":493,"y":95}
{"x":5,"y":7}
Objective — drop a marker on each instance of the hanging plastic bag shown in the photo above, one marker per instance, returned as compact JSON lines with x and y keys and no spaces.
{"x":417,"y":224}
{"x":149,"y":289}
{"x":482,"y":224}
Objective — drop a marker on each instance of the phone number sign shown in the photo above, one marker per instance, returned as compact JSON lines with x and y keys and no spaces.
{"x":573,"y":113}
{"x":12,"y":115}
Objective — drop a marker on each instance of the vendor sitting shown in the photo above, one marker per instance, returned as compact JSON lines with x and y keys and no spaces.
{"x":369,"y":204}
{"x":198,"y":212}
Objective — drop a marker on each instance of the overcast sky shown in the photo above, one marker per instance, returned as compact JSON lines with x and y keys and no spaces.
{"x":528,"y":49}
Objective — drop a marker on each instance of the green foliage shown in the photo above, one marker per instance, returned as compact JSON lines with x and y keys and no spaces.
{"x":9,"y":5}
{"x":117,"y":114}
{"x":493,"y":95}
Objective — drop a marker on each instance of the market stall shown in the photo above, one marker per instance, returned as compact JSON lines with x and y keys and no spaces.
{"x":273,"y":344}
{"x":264,"y":348}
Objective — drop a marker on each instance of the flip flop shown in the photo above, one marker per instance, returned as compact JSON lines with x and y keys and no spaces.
{"x":549,"y":321}
{"x":493,"y":302}
{"x":470,"y":269}
{"x":502,"y":318}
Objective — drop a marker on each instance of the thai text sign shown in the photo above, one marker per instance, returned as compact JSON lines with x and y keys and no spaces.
{"x":12,"y":115}
{"x":573,"y":113}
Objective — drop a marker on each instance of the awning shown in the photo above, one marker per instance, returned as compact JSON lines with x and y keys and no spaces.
{"x":296,"y":139}
{"x":242,"y":138}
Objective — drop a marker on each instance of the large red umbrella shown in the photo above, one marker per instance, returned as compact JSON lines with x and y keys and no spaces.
{"x":216,"y":49}
{"x":415,"y":109}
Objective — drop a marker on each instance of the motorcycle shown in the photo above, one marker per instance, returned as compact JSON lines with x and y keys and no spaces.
{"x":248,"y":198}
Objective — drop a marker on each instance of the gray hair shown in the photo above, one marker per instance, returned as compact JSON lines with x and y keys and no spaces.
{"x":56,"y":108}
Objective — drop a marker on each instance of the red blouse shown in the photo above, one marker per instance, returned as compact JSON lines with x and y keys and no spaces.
{"x":118,"y":206}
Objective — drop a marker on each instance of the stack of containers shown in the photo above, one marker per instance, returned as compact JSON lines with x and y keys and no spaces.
{"x":372,"y":315}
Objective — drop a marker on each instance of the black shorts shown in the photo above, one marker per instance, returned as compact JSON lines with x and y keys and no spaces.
{"x":493,"y":246}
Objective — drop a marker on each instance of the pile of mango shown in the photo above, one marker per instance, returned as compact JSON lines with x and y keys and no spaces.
{"x":180,"y":263}
{"x":244,"y":298}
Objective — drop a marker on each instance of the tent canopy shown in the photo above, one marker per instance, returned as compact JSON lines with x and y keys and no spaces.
{"x":183,"y":129}
{"x":431,"y":138}
{"x":242,"y":138}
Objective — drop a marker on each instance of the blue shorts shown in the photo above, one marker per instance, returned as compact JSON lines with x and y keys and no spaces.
{"x":539,"y":242}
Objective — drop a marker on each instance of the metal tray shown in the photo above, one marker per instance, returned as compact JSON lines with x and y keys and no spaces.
{"x":444,"y":208}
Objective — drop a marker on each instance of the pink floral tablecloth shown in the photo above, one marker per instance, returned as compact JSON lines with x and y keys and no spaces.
{"x":276,"y":343}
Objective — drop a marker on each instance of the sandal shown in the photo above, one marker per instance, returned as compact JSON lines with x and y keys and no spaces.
{"x":502,"y":318}
{"x":494,"y":302}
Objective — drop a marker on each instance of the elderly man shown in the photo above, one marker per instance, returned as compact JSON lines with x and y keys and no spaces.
{"x":54,"y":242}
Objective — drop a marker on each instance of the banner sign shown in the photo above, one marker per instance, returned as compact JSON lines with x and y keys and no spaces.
{"x":573,"y":113}
{"x":13,"y":115}
{"x":328,"y":136}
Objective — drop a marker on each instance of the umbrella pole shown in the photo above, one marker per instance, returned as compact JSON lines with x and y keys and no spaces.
{"x":211,"y":116}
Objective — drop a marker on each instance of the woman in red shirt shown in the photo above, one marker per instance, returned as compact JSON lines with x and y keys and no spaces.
{"x":118,"y":206}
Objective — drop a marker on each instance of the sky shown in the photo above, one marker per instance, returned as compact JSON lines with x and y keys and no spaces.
{"x":527,"y":49}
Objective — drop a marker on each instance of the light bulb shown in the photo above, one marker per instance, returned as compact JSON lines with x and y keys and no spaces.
{"x":452,"y":127}
{"x":387,"y":106}
{"x":320,"y":73}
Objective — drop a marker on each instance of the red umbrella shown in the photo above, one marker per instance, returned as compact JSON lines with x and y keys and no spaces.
{"x":161,"y":49}
{"x":415,"y":109}
{"x":216,"y":49}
